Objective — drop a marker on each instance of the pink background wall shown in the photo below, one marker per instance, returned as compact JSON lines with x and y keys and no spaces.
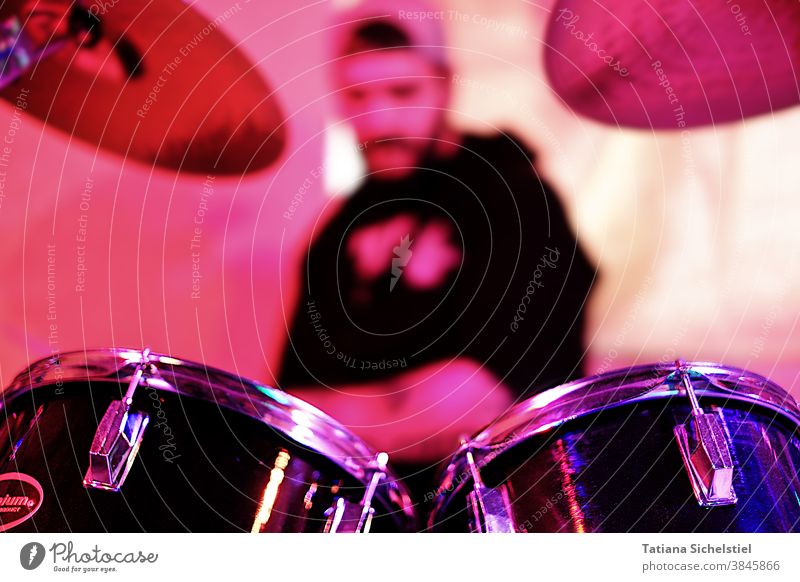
{"x":696,"y":236}
{"x":140,"y":222}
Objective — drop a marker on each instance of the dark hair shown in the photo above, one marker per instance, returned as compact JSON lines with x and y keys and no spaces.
{"x":375,"y":36}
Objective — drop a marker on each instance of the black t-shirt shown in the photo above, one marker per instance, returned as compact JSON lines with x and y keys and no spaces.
{"x":469,"y":256}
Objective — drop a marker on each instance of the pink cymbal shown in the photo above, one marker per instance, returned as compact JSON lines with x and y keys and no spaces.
{"x":160,"y":83}
{"x":670,"y":64}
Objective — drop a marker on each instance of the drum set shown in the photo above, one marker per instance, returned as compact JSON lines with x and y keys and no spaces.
{"x":124,"y":440}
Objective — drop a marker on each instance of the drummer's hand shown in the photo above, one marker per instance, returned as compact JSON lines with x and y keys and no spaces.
{"x":419,"y":415}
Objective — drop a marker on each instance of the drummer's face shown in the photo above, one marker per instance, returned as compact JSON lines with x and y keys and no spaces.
{"x":396,"y":102}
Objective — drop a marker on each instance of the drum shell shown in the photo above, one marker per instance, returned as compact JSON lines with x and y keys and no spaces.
{"x":201,"y":467}
{"x":620,"y":469}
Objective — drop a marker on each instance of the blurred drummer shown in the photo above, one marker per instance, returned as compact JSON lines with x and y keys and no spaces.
{"x":449,"y":285}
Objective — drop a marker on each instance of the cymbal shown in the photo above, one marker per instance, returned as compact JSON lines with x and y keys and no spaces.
{"x":671,"y":64}
{"x":154,"y":81}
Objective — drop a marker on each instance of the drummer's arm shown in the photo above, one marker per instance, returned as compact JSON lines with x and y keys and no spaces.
{"x":418,"y":415}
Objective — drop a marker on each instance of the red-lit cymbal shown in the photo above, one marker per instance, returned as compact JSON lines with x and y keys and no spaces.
{"x":194,"y":102}
{"x":671,"y":64}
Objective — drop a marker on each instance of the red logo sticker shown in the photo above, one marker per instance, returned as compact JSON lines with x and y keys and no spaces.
{"x":20,"y":497}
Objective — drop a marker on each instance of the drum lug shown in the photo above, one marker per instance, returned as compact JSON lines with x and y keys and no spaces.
{"x":488,"y":510}
{"x":117,"y":439}
{"x":348,"y":517}
{"x":378,"y":475}
{"x":114,"y":447}
{"x":336,"y":515}
{"x":706,"y":453}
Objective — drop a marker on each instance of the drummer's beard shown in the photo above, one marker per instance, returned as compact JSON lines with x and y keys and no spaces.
{"x":396,"y":157}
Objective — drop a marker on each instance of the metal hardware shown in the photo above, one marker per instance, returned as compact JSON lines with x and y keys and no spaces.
{"x":18,"y":53}
{"x":270,"y":494}
{"x":367,"y":511}
{"x":17,"y":441}
{"x":335,"y":514}
{"x":347,"y":517}
{"x":118,"y":436}
{"x":706,"y":451}
{"x":489,"y":509}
